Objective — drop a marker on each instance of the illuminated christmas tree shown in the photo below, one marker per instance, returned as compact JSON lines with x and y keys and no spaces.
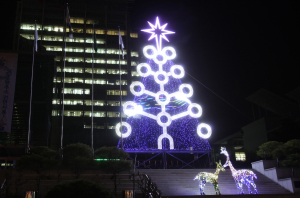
{"x":161,"y":117}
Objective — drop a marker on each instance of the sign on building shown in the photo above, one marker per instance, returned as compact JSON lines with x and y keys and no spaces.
{"x":8,"y":70}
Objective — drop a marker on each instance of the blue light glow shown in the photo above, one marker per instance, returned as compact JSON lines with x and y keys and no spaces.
{"x":167,"y":121}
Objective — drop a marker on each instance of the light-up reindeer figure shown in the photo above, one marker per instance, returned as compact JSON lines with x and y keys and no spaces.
{"x":242,"y":176}
{"x":204,"y":177}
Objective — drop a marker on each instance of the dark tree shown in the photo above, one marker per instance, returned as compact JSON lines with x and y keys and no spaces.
{"x":266,"y":149}
{"x":289,"y":153}
{"x":115,"y":163}
{"x":77,"y":157}
{"x":39,"y":159}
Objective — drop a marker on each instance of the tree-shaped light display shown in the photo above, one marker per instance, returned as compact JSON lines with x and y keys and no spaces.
{"x":161,"y":109}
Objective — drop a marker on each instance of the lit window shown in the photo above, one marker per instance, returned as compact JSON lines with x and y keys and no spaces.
{"x":240,"y":156}
{"x":134,"y":35}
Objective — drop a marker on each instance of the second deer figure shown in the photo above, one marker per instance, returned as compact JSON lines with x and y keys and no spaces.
{"x":204,"y":177}
{"x":241,"y":177}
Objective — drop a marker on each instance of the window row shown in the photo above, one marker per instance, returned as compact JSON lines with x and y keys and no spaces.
{"x":59,"y":38}
{"x":89,"y":102}
{"x":73,"y":91}
{"x":74,"y":113}
{"x":98,"y":127}
{"x":76,"y":30}
{"x":116,"y":92}
{"x":99,"y":61}
{"x":96,"y":71}
{"x":89,"y":81}
{"x":89,"y":70}
{"x":87,"y":91}
{"x":89,"y":50}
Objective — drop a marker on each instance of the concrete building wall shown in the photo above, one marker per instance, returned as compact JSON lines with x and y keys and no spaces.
{"x":255,"y":134}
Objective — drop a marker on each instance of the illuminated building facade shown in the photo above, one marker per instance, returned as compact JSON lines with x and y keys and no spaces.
{"x":107,"y":16}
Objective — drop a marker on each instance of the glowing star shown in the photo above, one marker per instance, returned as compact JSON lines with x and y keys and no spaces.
{"x":242,"y":176}
{"x":158,"y":32}
{"x":161,"y":77}
{"x":212,"y":178}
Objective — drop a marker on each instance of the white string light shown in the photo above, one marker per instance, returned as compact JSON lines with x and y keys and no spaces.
{"x":169,"y":57}
{"x":167,"y":98}
{"x":159,"y":119}
{"x":158,"y":81}
{"x":137,"y":83}
{"x":140,"y":66}
{"x":172,"y":70}
{"x":119,"y":133}
{"x":149,"y":55}
{"x":132,"y":111}
{"x":208,"y":129}
{"x":191,"y":113}
{"x":190,"y":88}
{"x":180,"y":95}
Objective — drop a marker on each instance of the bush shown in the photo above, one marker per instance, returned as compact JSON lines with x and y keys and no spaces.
{"x":44,"y":151}
{"x":72,"y":151}
{"x":288,"y":152}
{"x":78,"y":189}
{"x":77,"y":157}
{"x":110,"y":153}
{"x":267,"y":148}
{"x":292,"y":160}
{"x":40,"y":158}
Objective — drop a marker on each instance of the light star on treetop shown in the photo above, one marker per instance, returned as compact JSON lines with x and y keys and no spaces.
{"x":158,"y":32}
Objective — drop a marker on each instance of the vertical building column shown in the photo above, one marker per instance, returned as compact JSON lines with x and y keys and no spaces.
{"x":42,"y":29}
{"x":84,"y":67}
{"x":106,"y":77}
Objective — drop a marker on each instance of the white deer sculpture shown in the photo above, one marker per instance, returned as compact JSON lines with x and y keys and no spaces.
{"x":242,"y":176}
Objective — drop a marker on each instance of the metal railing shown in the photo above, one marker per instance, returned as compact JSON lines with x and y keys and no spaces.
{"x":148,"y":188}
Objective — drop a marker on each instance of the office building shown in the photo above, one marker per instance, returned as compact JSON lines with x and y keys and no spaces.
{"x":106,"y":16}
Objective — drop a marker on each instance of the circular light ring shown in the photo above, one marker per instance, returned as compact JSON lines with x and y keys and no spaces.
{"x":140,"y":66}
{"x":137,"y":83}
{"x":161,"y":82}
{"x":195,"y":115}
{"x":182,"y":86}
{"x":119,"y":133}
{"x":164,"y":51}
{"x":172,"y":70}
{"x":162,"y":102}
{"x":160,"y":123}
{"x":145,"y":51}
{"x":130,"y":112}
{"x":161,"y":62}
{"x":208,"y":128}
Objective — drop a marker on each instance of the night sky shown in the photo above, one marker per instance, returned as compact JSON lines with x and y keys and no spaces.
{"x":233,"y":47}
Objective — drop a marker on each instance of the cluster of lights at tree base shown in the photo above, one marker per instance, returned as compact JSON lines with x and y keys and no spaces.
{"x":161,"y":117}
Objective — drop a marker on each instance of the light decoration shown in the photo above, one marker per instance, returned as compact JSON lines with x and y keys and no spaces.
{"x":159,"y":78}
{"x":104,"y":159}
{"x":212,"y":178}
{"x":125,"y":135}
{"x":241,"y":177}
{"x":158,"y":32}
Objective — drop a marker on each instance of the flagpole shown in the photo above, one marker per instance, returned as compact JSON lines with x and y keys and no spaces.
{"x":120,"y":90}
{"x":63,"y":90}
{"x":92,"y":131}
{"x":30,"y":101}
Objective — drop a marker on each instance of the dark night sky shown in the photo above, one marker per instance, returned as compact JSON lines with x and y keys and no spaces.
{"x":232,"y":47}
